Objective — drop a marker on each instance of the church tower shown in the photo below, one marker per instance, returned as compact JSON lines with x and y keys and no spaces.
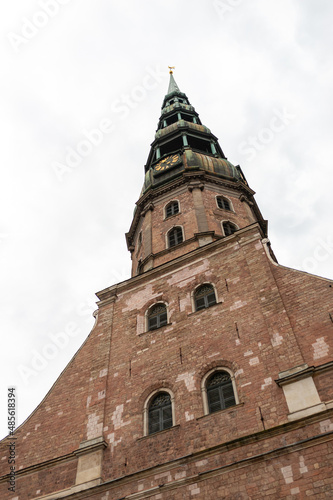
{"x":209,"y":373}
{"x":211,"y":198}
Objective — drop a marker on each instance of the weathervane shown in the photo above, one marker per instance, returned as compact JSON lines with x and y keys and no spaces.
{"x":171,"y":68}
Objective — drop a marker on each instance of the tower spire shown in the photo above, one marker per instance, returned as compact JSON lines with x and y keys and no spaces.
{"x":186,"y":153}
{"x":173,"y":87}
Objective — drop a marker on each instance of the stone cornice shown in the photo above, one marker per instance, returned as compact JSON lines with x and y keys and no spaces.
{"x":178,"y":261}
{"x":187,"y":177}
{"x":90,"y":446}
{"x":199,"y":455}
{"x":288,"y":378}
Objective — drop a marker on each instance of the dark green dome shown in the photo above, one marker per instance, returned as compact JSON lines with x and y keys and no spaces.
{"x":191,"y":160}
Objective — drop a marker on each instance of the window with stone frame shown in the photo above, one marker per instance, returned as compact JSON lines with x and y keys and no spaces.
{"x":229,"y":228}
{"x":171,"y":209}
{"x":175,"y":237}
{"x":223,"y":203}
{"x":157,"y":316}
{"x":220,"y":391}
{"x":160,"y":413}
{"x":204,"y":297}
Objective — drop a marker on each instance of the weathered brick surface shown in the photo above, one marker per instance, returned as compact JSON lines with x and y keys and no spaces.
{"x":267,"y":319}
{"x":309,"y":303}
{"x":156,"y":227}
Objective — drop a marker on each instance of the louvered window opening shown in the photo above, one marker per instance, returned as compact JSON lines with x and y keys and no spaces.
{"x":229,"y":228}
{"x":223,"y":203}
{"x":157,"y":317}
{"x":175,"y":236}
{"x":204,"y":297}
{"x":172,"y":209}
{"x":220,"y":392}
{"x":160,"y":413}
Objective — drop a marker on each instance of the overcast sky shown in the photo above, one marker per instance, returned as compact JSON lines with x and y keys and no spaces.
{"x":81,"y":90}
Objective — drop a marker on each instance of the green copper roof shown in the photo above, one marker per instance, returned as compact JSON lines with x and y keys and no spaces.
{"x":173,"y":87}
{"x":192,"y":161}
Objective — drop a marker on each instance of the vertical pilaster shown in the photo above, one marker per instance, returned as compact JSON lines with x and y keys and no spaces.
{"x":148,"y":236}
{"x":199,"y":208}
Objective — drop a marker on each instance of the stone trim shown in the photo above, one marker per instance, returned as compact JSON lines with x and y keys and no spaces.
{"x":204,"y":388}
{"x":146,"y":410}
{"x":90,"y":446}
{"x":185,"y":178}
{"x":169,"y":203}
{"x":71,"y":491}
{"x":300,"y":372}
{"x":276,"y":452}
{"x":245,"y":440}
{"x":177,"y":426}
{"x":221,"y":241}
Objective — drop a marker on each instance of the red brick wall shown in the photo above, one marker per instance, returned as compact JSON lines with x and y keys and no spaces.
{"x":251,"y":331}
{"x":309,"y":300}
{"x":240,"y":215}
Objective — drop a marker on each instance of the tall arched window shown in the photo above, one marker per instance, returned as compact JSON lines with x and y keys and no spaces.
{"x":160,"y":413}
{"x":171,"y":209}
{"x":175,"y":236}
{"x":204,"y":297}
{"x":229,"y":228}
{"x":157,"y":316}
{"x":223,"y":203}
{"x":220,"y":391}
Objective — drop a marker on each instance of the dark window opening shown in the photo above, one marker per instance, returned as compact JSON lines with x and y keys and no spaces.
{"x":160,"y":413}
{"x":172,"y":209}
{"x":157,"y":317}
{"x":170,"y":147}
{"x":199,"y":144}
{"x":175,"y":236}
{"x":229,"y":228}
{"x":204,"y":297}
{"x":223,"y":203}
{"x":190,"y":118}
{"x":220,"y":391}
{"x":172,"y":119}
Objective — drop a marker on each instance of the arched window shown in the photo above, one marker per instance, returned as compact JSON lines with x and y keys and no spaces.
{"x":171,"y":209}
{"x":204,"y":297}
{"x":157,"y":316}
{"x":160,"y":413}
{"x":223,"y":202}
{"x":229,"y":228}
{"x":220,"y":391}
{"x":175,"y":236}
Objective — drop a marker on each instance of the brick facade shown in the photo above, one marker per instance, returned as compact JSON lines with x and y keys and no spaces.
{"x":270,"y":329}
{"x":267,"y":320}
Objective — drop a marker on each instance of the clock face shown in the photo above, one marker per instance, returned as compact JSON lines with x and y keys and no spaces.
{"x":166,"y":163}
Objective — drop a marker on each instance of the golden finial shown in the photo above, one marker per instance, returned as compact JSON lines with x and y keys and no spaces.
{"x":171,"y":68}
